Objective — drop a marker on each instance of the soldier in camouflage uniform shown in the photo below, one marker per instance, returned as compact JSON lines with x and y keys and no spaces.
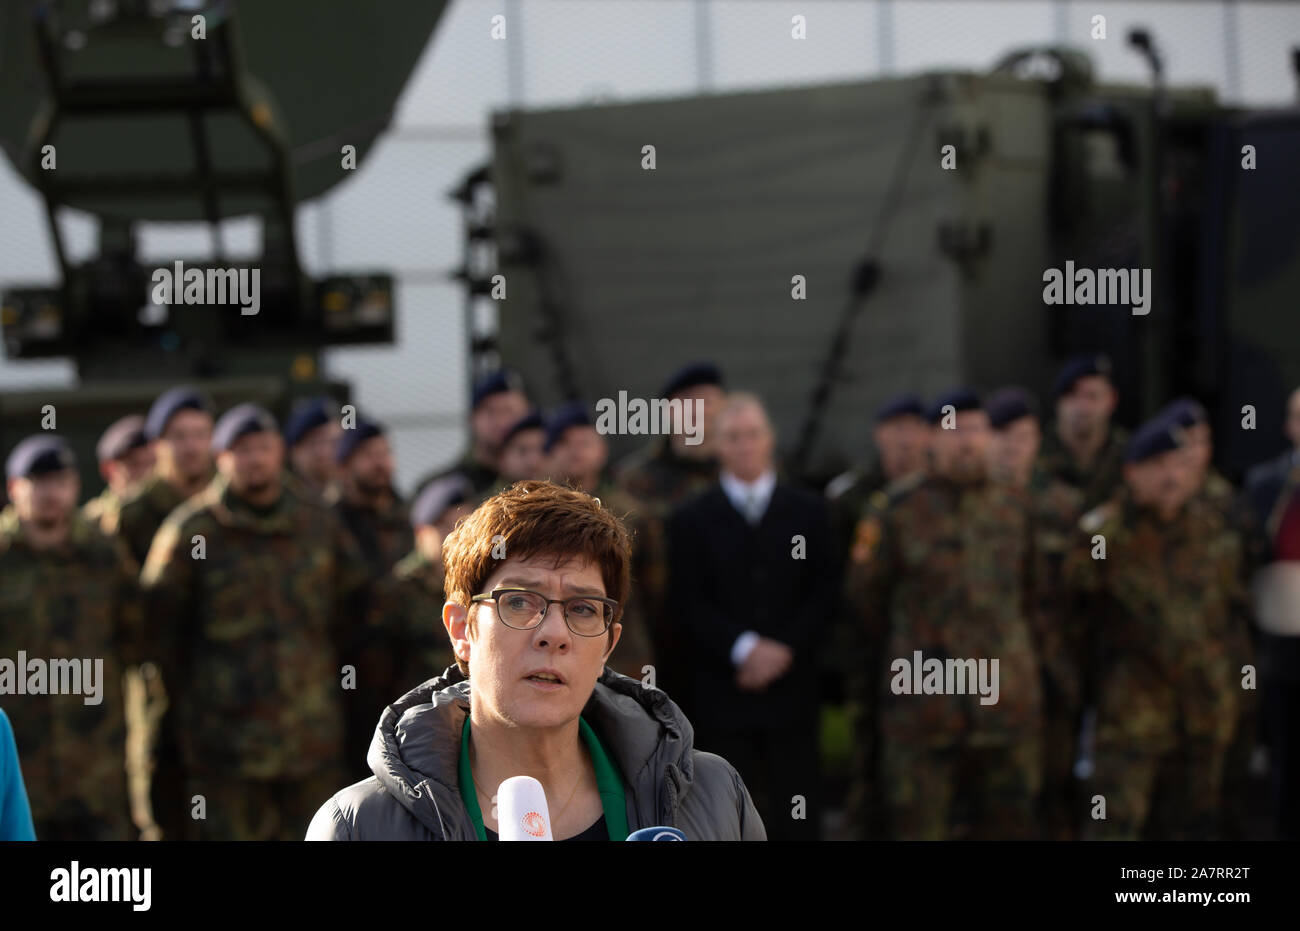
{"x":1082,"y":447}
{"x":179,"y":425}
{"x":1055,"y":507}
{"x":125,"y":460}
{"x":901,"y":436}
{"x":1197,"y":443}
{"x":576,"y":456}
{"x":1167,"y":613}
{"x":365,"y":500}
{"x":947,"y":570}
{"x":67,"y":592}
{"x":661,"y":477}
{"x":249,"y":588}
{"x":406,"y":642}
{"x":374,"y":514}
{"x":311,"y":436}
{"x":497,"y":402}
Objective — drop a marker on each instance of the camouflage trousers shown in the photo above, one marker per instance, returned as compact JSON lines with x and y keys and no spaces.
{"x":274,"y":809}
{"x":1161,"y":794}
{"x":962,"y":790}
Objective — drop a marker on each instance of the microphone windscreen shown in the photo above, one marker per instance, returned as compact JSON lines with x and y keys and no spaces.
{"x":521,"y":810}
{"x":657,"y":833}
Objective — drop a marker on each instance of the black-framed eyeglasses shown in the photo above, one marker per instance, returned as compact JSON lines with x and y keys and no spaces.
{"x":521,"y":609}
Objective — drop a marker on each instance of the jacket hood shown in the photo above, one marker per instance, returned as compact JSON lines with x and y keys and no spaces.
{"x":415,"y":751}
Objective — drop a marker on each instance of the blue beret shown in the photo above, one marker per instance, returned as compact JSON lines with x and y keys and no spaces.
{"x":122,"y":436}
{"x":901,"y":405}
{"x":1158,"y":435}
{"x":241,"y":420}
{"x":1010,"y":404}
{"x":496,"y":383}
{"x":961,"y":399}
{"x":437,"y":496}
{"x":306,"y":416}
{"x":354,"y":436}
{"x":168,"y":403}
{"x":1185,"y":412}
{"x":690,"y":375}
{"x":1080,"y":366}
{"x":40,"y":454}
{"x":530,"y":421}
{"x":570,"y":414}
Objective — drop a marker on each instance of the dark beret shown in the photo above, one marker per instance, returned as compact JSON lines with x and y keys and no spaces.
{"x":306,"y":416}
{"x":125,"y":434}
{"x":530,"y":421}
{"x":961,"y":399}
{"x":1080,"y":366}
{"x":168,"y":403}
{"x":241,"y":420}
{"x":40,"y":454}
{"x":437,"y":496}
{"x":354,"y":436}
{"x":1010,"y":404}
{"x":1185,"y":412}
{"x":901,"y":405}
{"x":691,"y":375}
{"x":496,"y":383}
{"x":1158,"y":435}
{"x":570,"y":414}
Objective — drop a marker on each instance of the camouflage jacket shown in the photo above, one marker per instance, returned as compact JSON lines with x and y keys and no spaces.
{"x":1099,"y":481}
{"x":661,"y":479}
{"x":143,"y":512}
{"x":656,"y":481}
{"x":383,"y":536}
{"x":408,"y":639}
{"x":949,"y":571}
{"x":76,"y":602}
{"x":649,"y":578}
{"x":1166,"y":613}
{"x":103,"y":511}
{"x":250,"y":628}
{"x":851,"y":495}
{"x":1239,"y":514}
{"x":1056,"y":508}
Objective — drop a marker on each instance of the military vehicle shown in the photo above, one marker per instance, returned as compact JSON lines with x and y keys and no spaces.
{"x":198,"y":110}
{"x":828,"y":249}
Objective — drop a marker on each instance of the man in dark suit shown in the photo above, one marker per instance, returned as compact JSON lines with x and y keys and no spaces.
{"x":1271,"y":490}
{"x":752,"y":576}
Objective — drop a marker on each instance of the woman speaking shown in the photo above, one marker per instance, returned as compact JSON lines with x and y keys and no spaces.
{"x":535,"y":581}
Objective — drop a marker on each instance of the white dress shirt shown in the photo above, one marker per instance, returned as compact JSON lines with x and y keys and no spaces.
{"x":750,"y":499}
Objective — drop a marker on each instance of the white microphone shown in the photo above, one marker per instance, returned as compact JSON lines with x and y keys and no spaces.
{"x":521,"y":810}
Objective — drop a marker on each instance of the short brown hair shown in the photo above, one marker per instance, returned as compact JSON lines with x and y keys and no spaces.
{"x":535,"y":518}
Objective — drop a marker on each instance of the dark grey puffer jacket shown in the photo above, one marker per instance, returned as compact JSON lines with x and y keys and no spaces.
{"x":414,"y":794}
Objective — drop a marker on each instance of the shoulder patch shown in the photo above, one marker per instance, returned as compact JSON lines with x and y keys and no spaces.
{"x":865,"y":540}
